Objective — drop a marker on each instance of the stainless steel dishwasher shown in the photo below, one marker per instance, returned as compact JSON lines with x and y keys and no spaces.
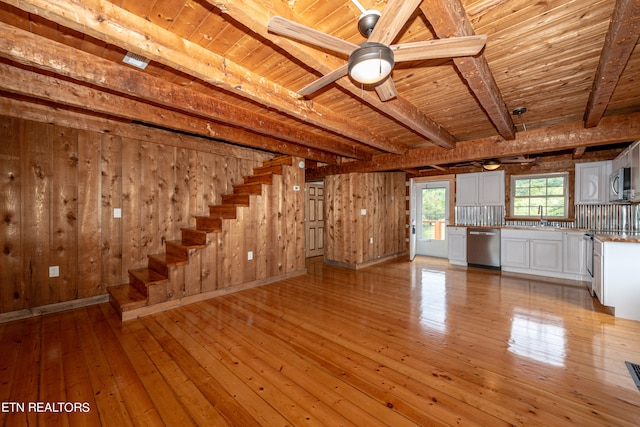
{"x":483,"y":247}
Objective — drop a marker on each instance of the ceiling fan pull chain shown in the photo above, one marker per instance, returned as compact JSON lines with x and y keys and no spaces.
{"x":359,"y":6}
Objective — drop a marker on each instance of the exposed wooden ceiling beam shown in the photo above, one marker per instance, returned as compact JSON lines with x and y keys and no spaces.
{"x":448,"y":19}
{"x":621,"y":40}
{"x":107,"y":22}
{"x":28,"y":83}
{"x":611,"y":130}
{"x":255,"y":15}
{"x":42,"y":53}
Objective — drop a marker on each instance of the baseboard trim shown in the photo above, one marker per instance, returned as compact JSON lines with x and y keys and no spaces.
{"x":52,"y":308}
{"x":367,"y":263}
{"x":191,"y":299}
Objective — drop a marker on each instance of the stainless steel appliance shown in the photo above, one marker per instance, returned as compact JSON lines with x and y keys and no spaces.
{"x":620,"y":185}
{"x":483,"y":247}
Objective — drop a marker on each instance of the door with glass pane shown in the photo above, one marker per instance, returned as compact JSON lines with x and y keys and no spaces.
{"x":431,"y":215}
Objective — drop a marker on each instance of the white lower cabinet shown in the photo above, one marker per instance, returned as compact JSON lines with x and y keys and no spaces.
{"x":574,"y":254}
{"x":616,"y":277}
{"x":514,"y":252}
{"x":544,"y":252}
{"x":457,"y":237}
{"x":546,"y":255}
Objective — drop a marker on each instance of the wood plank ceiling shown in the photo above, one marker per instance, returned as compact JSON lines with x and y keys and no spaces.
{"x":216,"y":71}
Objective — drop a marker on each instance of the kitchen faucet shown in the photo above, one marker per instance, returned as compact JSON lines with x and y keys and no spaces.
{"x":543,"y":221}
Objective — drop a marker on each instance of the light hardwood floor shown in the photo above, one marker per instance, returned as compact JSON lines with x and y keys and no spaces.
{"x":396,"y":344}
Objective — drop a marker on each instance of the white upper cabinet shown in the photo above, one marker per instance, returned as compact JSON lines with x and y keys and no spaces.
{"x":592,"y":180}
{"x":634,"y":160}
{"x":480,"y":189}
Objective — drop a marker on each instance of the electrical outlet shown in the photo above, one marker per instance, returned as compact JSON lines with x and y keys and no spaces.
{"x":363,"y":211}
{"x":54,"y":271}
{"x":249,"y":255}
{"x":370,"y":239}
{"x":117,"y":213}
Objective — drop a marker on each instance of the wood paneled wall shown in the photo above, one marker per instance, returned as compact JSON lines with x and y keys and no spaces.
{"x":349,"y":232}
{"x":59,"y":188}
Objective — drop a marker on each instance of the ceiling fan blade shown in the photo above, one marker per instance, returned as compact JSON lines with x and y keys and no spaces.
{"x":293,"y":30}
{"x":386,"y":90}
{"x":394,"y":17}
{"x":438,"y":48}
{"x":521,"y":160}
{"x":324,"y":81}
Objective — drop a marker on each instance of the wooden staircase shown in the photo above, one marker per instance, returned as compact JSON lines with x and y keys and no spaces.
{"x":152,"y":284}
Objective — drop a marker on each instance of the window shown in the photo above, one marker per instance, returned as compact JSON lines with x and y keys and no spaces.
{"x":529,"y":192}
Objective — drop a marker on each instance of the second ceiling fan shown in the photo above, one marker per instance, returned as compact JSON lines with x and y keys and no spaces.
{"x":371,"y":62}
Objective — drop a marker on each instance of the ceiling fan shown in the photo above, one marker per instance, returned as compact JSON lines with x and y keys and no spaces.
{"x":371,"y":62}
{"x":493,"y":164}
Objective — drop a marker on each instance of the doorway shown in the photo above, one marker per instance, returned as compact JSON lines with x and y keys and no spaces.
{"x":430,"y":207}
{"x":314,"y":219}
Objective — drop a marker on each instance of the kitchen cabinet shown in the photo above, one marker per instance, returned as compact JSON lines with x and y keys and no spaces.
{"x":634,"y":155}
{"x":531,"y":250}
{"x":514,"y":252}
{"x":616,"y":276}
{"x":592,"y":180}
{"x":573,"y":254}
{"x":546,"y":255}
{"x":480,"y":189}
{"x":544,"y":252}
{"x":457,"y":238}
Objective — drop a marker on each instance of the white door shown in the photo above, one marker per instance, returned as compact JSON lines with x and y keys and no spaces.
{"x":431,"y":213}
{"x":412,"y":218}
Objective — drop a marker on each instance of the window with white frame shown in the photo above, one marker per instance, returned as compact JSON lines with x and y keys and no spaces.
{"x":546,"y":194}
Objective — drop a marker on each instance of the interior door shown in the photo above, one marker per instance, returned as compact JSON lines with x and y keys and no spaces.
{"x":431,"y":212}
{"x":412,"y":219}
{"x":314,"y":223}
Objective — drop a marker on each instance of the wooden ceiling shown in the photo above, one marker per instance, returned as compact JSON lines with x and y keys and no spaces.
{"x":217,"y":72}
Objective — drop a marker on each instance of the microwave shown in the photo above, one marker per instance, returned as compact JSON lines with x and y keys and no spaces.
{"x":620,"y":185}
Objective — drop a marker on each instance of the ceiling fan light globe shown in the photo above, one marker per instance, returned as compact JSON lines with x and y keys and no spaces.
{"x":491,"y":164}
{"x":371,"y":63}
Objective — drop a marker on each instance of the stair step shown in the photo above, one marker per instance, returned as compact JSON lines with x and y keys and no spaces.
{"x":225,"y":211}
{"x":193,"y":236}
{"x":125,"y":297}
{"x":263,"y":170}
{"x":236,"y":199}
{"x":142,"y":278}
{"x":208,"y":223}
{"x":176,"y":249}
{"x":255,"y":189}
{"x":161,"y":262}
{"x":259,"y":179}
{"x":280,"y":160}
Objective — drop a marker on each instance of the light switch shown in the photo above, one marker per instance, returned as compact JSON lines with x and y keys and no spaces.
{"x":117,"y":213}
{"x":249,"y":255}
{"x":54,"y":271}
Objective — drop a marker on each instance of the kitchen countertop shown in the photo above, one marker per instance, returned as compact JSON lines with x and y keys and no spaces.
{"x":617,"y":236}
{"x":603,"y":236}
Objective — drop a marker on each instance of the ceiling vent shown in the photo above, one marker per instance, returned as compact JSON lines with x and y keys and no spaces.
{"x":136,"y":60}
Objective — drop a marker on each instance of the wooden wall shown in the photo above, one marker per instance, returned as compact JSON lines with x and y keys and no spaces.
{"x":59,"y":187}
{"x":348,"y":232}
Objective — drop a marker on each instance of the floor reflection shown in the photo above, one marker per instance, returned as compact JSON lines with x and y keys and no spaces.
{"x":433,"y":301}
{"x":540,"y":340}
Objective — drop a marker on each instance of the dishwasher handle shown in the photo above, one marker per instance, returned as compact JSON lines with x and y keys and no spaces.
{"x":483,"y":233}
